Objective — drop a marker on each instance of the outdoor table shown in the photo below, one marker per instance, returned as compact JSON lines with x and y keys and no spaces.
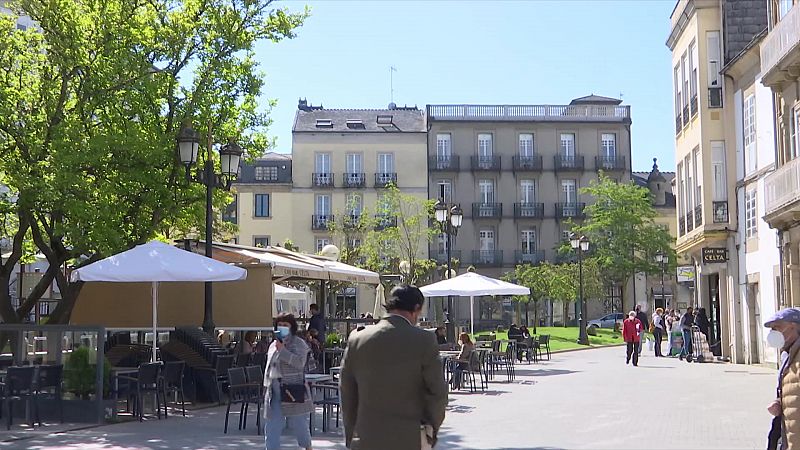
{"x":332,"y":351}
{"x":114,"y":374}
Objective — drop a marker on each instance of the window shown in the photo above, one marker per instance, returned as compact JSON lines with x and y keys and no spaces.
{"x":685,"y":79}
{"x":681,"y":188}
{"x":568,"y":145}
{"x":261,"y":205}
{"x":566,"y":234}
{"x":321,"y":243}
{"x":21,"y":27}
{"x":266,"y":173}
{"x":698,"y":176}
{"x":526,"y":145}
{"x":783,"y":8}
{"x":569,"y":191}
{"x":527,"y":191}
{"x":678,"y":98}
{"x":712,"y":37}
{"x":443,"y":147}
{"x":323,"y":205}
{"x":749,"y":131}
{"x":322,"y":163}
{"x":261,"y":241}
{"x":687,"y":164}
{"x":353,"y":161}
{"x":528,"y":241}
{"x":719,"y":182}
{"x":445,"y":190}
{"x":693,"y":62}
{"x":750,"y":214}
{"x":484,"y":145}
{"x":441,"y":245}
{"x":486,"y":191}
{"x":386,"y":163}
{"x":486,"y":238}
{"x":608,"y":143}
{"x":355,"y":205}
{"x":794,"y":133}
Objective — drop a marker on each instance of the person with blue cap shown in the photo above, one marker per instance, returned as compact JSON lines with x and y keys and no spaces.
{"x":785,"y":409}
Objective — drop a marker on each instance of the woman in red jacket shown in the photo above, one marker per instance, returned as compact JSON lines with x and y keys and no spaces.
{"x":631,"y":329}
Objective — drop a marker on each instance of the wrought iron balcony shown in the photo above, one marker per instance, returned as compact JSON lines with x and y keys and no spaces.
{"x":782,"y":187}
{"x":527,"y":163}
{"x":487,"y":210}
{"x":698,"y":215}
{"x":720,"y":211}
{"x":487,"y":258}
{"x":354,"y":180}
{"x":449,"y":163}
{"x":321,"y":221}
{"x":609,"y":163}
{"x":385,"y":179}
{"x":686,"y":117}
{"x":678,"y":124}
{"x":486,"y":163}
{"x":568,"y":163}
{"x":525,"y":210}
{"x":570,"y":210}
{"x":441,"y":258}
{"x":383,"y":221}
{"x":529,"y":256}
{"x":693,"y":105}
{"x":681,"y":225}
{"x":322,"y":179}
{"x":689,"y":222}
{"x":352,"y":220}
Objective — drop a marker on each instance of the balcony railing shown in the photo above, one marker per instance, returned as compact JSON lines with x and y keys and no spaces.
{"x":354,"y":180}
{"x":486,"y":163}
{"x":322,"y":179}
{"x":686,"y":117}
{"x":525,"y":210}
{"x":567,"y":163}
{"x":441,"y":258}
{"x":527,"y":163}
{"x":487,"y":210}
{"x":609,"y":163}
{"x":678,"y":124}
{"x":698,"y":215}
{"x":681,"y":225}
{"x":526,"y":113}
{"x":352,"y":220}
{"x":449,"y":163}
{"x":382,"y":222}
{"x":569,"y":210}
{"x":487,"y":258}
{"x":693,"y":105}
{"x":321,"y":221}
{"x":783,"y":185}
{"x":781,"y":40}
{"x":529,"y":256}
{"x":384,"y":179}
{"x":689,"y":222}
{"x":720,"y":211}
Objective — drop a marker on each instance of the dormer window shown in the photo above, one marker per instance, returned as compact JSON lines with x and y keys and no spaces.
{"x":324,"y":123}
{"x":385,"y":119}
{"x":355,"y":124}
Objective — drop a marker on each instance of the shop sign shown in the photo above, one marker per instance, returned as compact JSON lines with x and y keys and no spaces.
{"x":713,"y":255}
{"x":685,"y":274}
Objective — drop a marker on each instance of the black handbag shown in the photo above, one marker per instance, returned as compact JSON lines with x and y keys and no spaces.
{"x":293,"y":393}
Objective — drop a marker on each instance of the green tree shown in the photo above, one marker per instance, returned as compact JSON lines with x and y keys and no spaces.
{"x":90,"y":106}
{"x":623,"y":235}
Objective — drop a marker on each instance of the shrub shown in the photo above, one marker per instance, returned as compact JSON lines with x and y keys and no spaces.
{"x":79,"y":373}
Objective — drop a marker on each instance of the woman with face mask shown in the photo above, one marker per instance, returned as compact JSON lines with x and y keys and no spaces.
{"x":287,"y":398}
{"x":783,"y":335}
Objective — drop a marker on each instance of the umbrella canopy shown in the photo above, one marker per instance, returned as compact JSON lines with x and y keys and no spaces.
{"x":472,"y":285}
{"x":286,"y":299}
{"x":286,"y":293}
{"x":157,"y":262}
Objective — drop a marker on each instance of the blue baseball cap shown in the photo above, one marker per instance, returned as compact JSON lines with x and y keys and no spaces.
{"x":788,"y":315}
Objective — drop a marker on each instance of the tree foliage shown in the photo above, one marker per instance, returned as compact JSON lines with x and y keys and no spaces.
{"x":91,"y":102}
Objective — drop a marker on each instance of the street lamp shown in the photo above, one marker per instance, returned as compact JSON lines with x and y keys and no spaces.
{"x":580,"y":244}
{"x":662,"y":260}
{"x":449,"y":218}
{"x":229,"y":156}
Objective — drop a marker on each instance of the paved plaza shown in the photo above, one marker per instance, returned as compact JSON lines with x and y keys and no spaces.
{"x":579,"y":400}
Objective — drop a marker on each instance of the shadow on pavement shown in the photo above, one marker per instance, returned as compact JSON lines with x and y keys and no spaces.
{"x":544,"y":372}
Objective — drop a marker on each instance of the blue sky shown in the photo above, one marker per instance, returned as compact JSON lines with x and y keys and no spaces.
{"x":488,"y":52}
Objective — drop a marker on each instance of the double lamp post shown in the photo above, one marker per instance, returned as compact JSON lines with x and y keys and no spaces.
{"x":229,"y":156}
{"x":662,"y":259}
{"x":449,"y":218}
{"x":581,"y":245}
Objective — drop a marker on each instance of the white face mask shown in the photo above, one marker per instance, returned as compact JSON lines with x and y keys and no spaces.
{"x":775,"y":339}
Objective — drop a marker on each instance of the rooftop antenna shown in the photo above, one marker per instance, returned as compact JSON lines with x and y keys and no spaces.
{"x":621,"y":95}
{"x":392,"y":70}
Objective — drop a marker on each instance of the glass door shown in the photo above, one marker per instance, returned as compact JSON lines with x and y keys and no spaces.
{"x":570,"y":196}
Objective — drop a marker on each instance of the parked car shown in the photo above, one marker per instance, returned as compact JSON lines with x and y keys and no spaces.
{"x":607,"y":321}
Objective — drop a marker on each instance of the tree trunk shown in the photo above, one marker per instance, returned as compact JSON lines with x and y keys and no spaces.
{"x":565,"y":312}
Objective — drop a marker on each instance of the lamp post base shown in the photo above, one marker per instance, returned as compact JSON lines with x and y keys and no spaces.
{"x":451,"y":330}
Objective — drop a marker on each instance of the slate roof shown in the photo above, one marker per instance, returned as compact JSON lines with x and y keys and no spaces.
{"x":595,"y":100}
{"x":275,"y":156}
{"x":406,"y":120}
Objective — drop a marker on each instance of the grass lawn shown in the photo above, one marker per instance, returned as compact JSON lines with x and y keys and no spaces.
{"x":567,"y":338}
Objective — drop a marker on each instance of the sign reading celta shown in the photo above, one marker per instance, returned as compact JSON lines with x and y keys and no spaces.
{"x":712,"y":255}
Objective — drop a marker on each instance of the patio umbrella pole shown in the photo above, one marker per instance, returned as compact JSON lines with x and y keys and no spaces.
{"x":472,"y":315}
{"x":155,"y":318}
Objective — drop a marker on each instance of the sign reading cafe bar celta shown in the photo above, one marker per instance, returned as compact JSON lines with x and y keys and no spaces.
{"x":713,"y":255}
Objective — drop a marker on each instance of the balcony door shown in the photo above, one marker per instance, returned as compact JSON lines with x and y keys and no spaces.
{"x":385,"y":167}
{"x":527,"y":191}
{"x":323,"y":205}
{"x":486,"y":239}
{"x":322,"y":163}
{"x":355,"y":204}
{"x":526,"y":146}
{"x":445,"y":190}
{"x":354,"y":163}
{"x":569,"y":195}
{"x":444,"y":150}
{"x":608,"y":147}
{"x":568,"y":146}
{"x":485,"y":150}
{"x":528,"y":241}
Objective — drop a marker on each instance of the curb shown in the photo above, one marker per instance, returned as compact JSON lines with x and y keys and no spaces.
{"x":582,"y":349}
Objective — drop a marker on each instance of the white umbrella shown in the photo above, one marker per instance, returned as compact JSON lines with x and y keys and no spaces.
{"x":380,"y":299}
{"x":472,"y":285}
{"x":285,"y":294}
{"x":157,"y":262}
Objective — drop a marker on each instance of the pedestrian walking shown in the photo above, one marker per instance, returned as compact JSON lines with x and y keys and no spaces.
{"x":632,"y":334}
{"x":658,"y":330}
{"x":393,"y":392}
{"x":645,"y":324}
{"x":785,"y":409}
{"x":701,"y":320}
{"x":287,"y":398}
{"x":685,"y":325}
{"x":669,"y":320}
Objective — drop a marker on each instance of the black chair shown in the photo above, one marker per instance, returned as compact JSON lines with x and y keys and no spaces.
{"x":544,"y":341}
{"x":148,"y":381}
{"x":329,"y":400}
{"x":219,"y":373}
{"x":255,"y":375}
{"x":505,"y":359}
{"x":18,"y":387}
{"x":475,"y":367}
{"x":242,"y":360}
{"x":173,"y":382}
{"x":259,"y":359}
{"x":240,"y":392}
{"x":48,"y":385}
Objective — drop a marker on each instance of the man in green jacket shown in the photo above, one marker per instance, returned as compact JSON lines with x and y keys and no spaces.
{"x":392,"y":384}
